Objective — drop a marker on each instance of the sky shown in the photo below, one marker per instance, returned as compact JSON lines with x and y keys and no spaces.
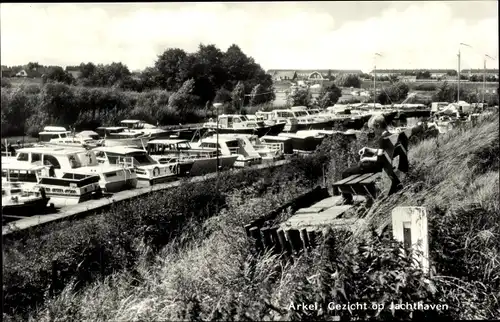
{"x":278,"y":35}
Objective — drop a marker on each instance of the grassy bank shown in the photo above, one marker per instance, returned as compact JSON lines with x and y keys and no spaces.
{"x":91,"y":248}
{"x":209,"y":271}
{"x":212,"y":273}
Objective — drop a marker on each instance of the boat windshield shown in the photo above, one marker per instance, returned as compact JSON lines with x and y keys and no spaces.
{"x":284,"y":114}
{"x":300,"y":113}
{"x":141,"y":158}
{"x":74,"y":161}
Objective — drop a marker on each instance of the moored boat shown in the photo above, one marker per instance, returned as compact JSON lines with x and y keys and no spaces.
{"x":22,"y":201}
{"x":240,"y":124}
{"x":61,"y":160}
{"x":148,"y":170}
{"x":200,"y":161}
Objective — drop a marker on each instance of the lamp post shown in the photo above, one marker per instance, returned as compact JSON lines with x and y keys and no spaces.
{"x":458,"y":83}
{"x":484,"y":73}
{"x":375,"y":78}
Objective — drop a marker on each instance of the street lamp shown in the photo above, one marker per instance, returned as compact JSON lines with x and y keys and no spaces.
{"x":484,"y":73}
{"x":458,"y":83}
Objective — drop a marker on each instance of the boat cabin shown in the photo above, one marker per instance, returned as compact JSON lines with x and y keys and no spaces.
{"x":58,"y":158}
{"x":23,"y":172}
{"x":117,"y":132}
{"x":133,"y":124}
{"x":122,"y":154}
{"x":46,"y":136}
{"x":180,"y":149}
{"x":236,"y":121}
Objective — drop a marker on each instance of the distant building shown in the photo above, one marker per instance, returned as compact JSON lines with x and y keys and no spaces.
{"x":408,"y":79}
{"x":435,"y":73}
{"x":22,"y":73}
{"x":480,"y":72}
{"x":309,"y":74}
{"x":281,"y":75}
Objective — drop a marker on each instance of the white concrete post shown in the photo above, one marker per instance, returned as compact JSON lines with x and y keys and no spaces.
{"x":409,"y":226}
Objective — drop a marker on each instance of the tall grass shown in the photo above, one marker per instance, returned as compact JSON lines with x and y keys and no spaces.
{"x":213,"y":274}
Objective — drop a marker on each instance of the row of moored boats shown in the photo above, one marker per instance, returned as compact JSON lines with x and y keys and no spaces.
{"x":69,"y":168}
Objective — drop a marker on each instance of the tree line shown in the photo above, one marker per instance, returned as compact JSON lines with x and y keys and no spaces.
{"x":179,"y":87}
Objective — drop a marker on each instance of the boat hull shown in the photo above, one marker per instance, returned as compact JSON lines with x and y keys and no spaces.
{"x":27,"y":208}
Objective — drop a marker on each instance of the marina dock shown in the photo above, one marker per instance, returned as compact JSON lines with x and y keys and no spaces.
{"x":92,"y":206}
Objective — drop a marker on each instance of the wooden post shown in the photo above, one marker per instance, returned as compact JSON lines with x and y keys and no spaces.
{"x":311,"y":236}
{"x":295,"y":241}
{"x":255,"y":234}
{"x":275,"y":239}
{"x":305,"y":238}
{"x":285,"y":246}
{"x":409,"y":226}
{"x":266,"y":233}
{"x":247,"y":230}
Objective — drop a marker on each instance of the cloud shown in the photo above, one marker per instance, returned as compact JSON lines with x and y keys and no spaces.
{"x":277,"y":35}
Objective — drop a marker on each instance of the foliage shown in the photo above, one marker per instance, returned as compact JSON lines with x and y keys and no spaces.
{"x":97,"y":245}
{"x":300,"y":97}
{"x":329,"y":96}
{"x":348,"y":80}
{"x":58,"y":74}
{"x":395,"y":93}
{"x":237,"y":96}
{"x":29,"y":108}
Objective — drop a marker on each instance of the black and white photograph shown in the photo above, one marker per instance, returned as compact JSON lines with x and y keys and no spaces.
{"x":250,"y":161}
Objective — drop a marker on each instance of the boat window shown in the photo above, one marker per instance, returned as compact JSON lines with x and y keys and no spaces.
{"x":232,"y":144}
{"x":76,"y":176}
{"x":23,"y":157}
{"x":27,"y":176}
{"x":142,"y":158}
{"x":4,"y":174}
{"x":110,"y":174}
{"x":74,"y":162}
{"x":183,"y":146}
{"x":35,"y":157}
{"x":208,"y":145}
{"x":284,"y":114}
{"x":51,"y":161}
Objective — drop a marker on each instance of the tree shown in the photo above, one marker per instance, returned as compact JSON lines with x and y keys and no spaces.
{"x":301,"y":97}
{"x":329,"y":95}
{"x":184,"y":100}
{"x":423,"y":74}
{"x":348,"y":80}
{"x":168,"y":65}
{"x":57,"y":74}
{"x":236,"y":63}
{"x":445,"y":93}
{"x":238,"y":96}
{"x":222,"y":96}
{"x":257,"y":95}
{"x":33,"y":66}
{"x":393,"y":94}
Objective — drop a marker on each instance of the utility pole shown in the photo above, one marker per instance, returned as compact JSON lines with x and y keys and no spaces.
{"x":458,"y":83}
